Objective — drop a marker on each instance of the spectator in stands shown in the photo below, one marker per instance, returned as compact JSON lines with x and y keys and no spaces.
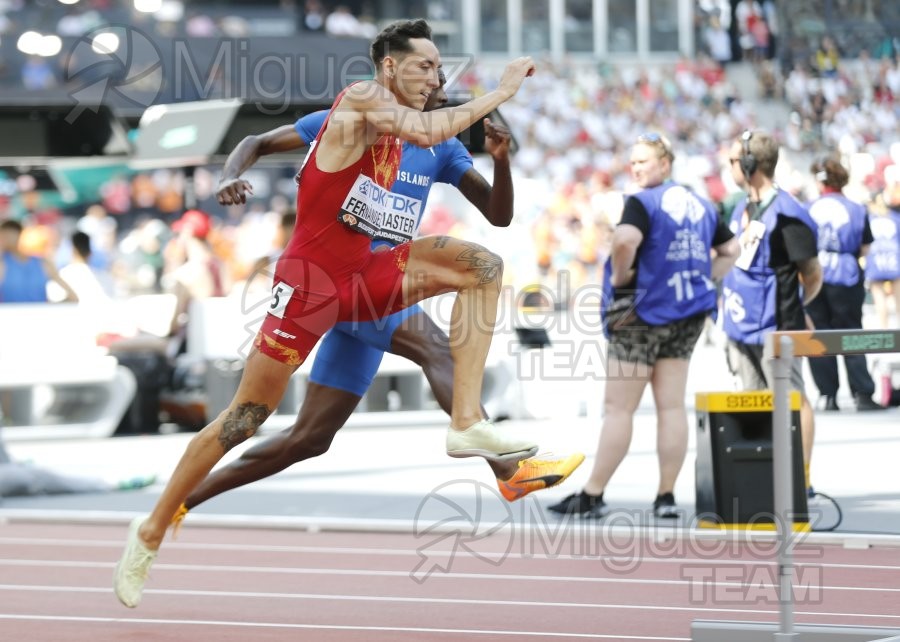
{"x":142,"y":256}
{"x":314,"y":15}
{"x":667,"y":251}
{"x":891,"y":76}
{"x":90,"y":285}
{"x":770,"y":13}
{"x":844,"y":237}
{"x":101,"y":228}
{"x":777,"y":274}
{"x":342,"y":22}
{"x":260,"y":277}
{"x":717,"y":41}
{"x":24,"y":278}
{"x":719,"y":9}
{"x":752,"y":29}
{"x":827,"y":58}
{"x":37,"y":74}
{"x":194,"y":272}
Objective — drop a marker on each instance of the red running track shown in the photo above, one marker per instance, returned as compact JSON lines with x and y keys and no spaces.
{"x":246,"y":584}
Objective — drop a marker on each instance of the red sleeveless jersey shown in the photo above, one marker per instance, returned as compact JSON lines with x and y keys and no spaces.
{"x":322,"y":199}
{"x":328,"y":272}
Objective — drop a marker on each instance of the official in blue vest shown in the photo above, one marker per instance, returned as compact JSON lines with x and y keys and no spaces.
{"x":844,"y":237}
{"x":667,"y":252}
{"x":883,"y":259}
{"x":777,"y":274}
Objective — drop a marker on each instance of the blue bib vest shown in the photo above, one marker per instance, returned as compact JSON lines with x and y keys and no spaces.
{"x":674,"y":280}
{"x":883,"y":259}
{"x":749,"y":305}
{"x":841,"y":223}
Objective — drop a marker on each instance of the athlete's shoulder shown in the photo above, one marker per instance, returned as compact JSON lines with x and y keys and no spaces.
{"x":367,"y":91}
{"x":453,"y":144}
{"x":452,"y":150}
{"x":311,"y":121}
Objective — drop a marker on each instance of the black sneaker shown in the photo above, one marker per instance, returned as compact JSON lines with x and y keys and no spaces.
{"x":864,"y":403}
{"x":831,"y":403}
{"x":581,"y":504}
{"x":664,"y":506}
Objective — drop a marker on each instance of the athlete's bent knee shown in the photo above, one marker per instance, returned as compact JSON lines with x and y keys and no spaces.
{"x":305,"y":444}
{"x":482,"y":267}
{"x":241,"y":423}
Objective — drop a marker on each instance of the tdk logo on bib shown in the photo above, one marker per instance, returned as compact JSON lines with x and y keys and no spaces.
{"x":377,"y":212}
{"x":389,"y":202}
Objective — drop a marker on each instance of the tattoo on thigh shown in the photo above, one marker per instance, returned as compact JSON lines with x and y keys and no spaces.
{"x":242,"y":423}
{"x":441,"y":242}
{"x":487,"y":265}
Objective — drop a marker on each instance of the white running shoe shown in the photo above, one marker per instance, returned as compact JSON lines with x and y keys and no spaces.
{"x":484,"y":439}
{"x":133,"y":567}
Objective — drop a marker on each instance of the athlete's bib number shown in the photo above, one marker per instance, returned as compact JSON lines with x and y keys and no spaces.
{"x":281,"y":294}
{"x":362,"y":210}
{"x":399,"y":227}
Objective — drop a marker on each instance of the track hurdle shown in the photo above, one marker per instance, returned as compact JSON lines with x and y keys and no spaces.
{"x":785,"y":346}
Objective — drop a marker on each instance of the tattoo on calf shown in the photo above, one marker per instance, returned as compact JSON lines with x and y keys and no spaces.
{"x":441,"y":242}
{"x":487,"y":265}
{"x":242,"y":423}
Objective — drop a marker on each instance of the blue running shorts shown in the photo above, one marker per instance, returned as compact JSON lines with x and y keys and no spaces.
{"x":351,"y":352}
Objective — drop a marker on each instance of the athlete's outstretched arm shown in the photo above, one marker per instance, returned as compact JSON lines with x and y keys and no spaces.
{"x":232,"y":189}
{"x":495,"y":203}
{"x":381,"y":110}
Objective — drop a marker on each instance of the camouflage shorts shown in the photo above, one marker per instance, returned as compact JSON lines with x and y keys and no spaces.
{"x":640,"y":343}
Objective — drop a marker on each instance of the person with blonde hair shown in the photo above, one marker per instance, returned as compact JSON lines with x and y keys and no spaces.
{"x":667,"y":252}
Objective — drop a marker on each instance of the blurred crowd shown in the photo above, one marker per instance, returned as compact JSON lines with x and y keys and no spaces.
{"x":841,"y":103}
{"x":209,"y":256}
{"x":574,"y":126}
{"x":28,"y":63}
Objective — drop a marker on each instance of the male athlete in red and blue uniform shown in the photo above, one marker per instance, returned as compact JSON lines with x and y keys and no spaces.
{"x":328,"y":273}
{"x":349,"y":355}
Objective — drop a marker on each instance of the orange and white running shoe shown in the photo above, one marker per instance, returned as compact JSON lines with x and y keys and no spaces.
{"x":536,"y":474}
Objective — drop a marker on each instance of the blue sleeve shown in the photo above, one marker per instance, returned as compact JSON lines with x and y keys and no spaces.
{"x":455,"y":161}
{"x":308,"y":127}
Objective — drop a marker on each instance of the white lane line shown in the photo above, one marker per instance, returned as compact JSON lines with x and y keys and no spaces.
{"x":323,"y":627}
{"x":459,"y":552}
{"x":281,"y":570}
{"x":410,"y":527}
{"x":18,"y":588}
